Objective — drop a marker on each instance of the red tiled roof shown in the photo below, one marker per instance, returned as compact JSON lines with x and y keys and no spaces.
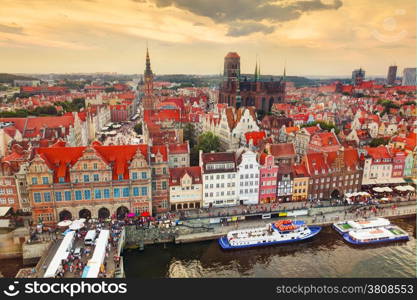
{"x":255,"y":136}
{"x":378,"y":152}
{"x":178,"y":148}
{"x":161,"y":149}
{"x":283,"y":150}
{"x":60,"y":160}
{"x":176,"y":174}
{"x":300,"y":170}
{"x":351,"y":157}
{"x":119,"y":156}
{"x":316,"y":162}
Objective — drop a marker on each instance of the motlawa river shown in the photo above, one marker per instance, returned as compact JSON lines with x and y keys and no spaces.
{"x":327,"y":255}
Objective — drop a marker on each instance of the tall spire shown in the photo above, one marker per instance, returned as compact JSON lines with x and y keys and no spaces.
{"x":256,"y":71}
{"x":285,"y":73}
{"x":148,"y":70}
{"x":259,"y":70}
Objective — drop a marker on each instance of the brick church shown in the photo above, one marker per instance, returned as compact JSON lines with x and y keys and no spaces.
{"x":238,"y":92}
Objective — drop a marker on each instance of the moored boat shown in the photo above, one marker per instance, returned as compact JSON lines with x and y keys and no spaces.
{"x":346,"y":226}
{"x":280,"y":232}
{"x":378,"y":235}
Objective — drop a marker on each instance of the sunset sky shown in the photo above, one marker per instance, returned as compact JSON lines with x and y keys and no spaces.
{"x":312,"y":37}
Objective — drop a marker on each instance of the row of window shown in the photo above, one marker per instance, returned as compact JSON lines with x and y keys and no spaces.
{"x":219,"y":185}
{"x":5,"y":182}
{"x":87,"y":194}
{"x":222,"y":176}
{"x":248,"y":191}
{"x":247,"y":176}
{"x":6,"y":200}
{"x":316,"y":187}
{"x":6,"y":191}
{"x":88,"y":178}
{"x":218,"y":194}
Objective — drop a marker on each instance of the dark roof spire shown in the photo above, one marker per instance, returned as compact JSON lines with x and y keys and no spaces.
{"x":148,"y":70}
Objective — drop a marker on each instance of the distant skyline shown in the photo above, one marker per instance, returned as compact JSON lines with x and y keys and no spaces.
{"x":310,"y":37}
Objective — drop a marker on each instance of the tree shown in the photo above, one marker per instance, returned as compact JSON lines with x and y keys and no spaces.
{"x":138,"y":128}
{"x":78,"y":103}
{"x":323,"y":125}
{"x":378,"y":142}
{"x":189,"y":134}
{"x":207,"y":142}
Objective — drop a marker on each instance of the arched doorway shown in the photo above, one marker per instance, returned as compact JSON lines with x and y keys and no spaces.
{"x":271,"y":101}
{"x":84,"y":213}
{"x":65,"y":215}
{"x":121,"y":212}
{"x":103,"y":213}
{"x":335,"y":194}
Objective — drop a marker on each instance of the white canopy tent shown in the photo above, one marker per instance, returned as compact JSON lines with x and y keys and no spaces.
{"x":92,"y":268}
{"x":61,"y":253}
{"x":64,"y":223}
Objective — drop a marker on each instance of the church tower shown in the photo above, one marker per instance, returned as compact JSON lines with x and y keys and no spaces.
{"x":148,"y":98}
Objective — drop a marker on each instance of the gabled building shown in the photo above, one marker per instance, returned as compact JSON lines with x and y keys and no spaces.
{"x":95,"y":181}
{"x":332,"y":174}
{"x":185,"y":188}
{"x":248,"y":178}
{"x":179,"y":155}
{"x":267,"y":179}
{"x":160,"y":178}
{"x":324,"y":142}
{"x":377,"y":166}
{"x":220,"y":179}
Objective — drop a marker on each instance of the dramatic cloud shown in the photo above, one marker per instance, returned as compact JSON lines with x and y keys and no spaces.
{"x":249,"y":10}
{"x":240,"y":29}
{"x":11,"y":29}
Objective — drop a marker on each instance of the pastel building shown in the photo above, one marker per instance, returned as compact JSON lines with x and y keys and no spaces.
{"x":267,"y":179}
{"x":219,"y":179}
{"x":95,"y":181}
{"x":185,"y":188}
{"x":248,"y":178}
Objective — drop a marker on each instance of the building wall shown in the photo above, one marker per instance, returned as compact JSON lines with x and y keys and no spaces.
{"x":8,"y":192}
{"x":376,"y":171}
{"x":300,"y":189}
{"x":186,"y":195}
{"x":268,"y":181}
{"x":248,"y":179}
{"x":220,"y":189}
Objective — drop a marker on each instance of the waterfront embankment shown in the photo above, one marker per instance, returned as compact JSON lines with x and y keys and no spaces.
{"x":197,"y":230}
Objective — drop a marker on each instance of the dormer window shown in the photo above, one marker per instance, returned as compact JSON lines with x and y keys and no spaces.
{"x":120,"y":177}
{"x":61,"y":180}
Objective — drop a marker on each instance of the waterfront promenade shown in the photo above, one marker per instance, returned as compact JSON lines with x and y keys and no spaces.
{"x":200,"y":228}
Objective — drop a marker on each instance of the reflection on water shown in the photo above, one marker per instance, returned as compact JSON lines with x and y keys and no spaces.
{"x":327,"y":255}
{"x":9,"y":267}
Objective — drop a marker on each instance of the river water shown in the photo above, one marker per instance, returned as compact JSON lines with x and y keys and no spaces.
{"x":327,"y":255}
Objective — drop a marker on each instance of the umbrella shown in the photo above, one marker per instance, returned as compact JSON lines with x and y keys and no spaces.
{"x":378,"y":189}
{"x":409,"y":187}
{"x":145,"y":214}
{"x":64,"y":223}
{"x":130,"y":215}
{"x":76,"y":225}
{"x":348,"y":195}
{"x":400,"y":188}
{"x":387,"y":189}
{"x":82,"y":220}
